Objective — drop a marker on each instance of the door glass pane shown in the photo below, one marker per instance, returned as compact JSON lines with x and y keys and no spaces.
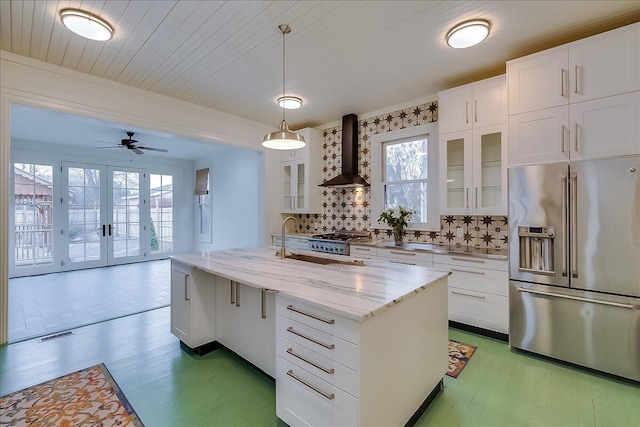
{"x":491,"y":164}
{"x":85,"y":229}
{"x":161,"y":204}
{"x":33,"y":214}
{"x":300,"y":194}
{"x":126,"y":214}
{"x":455,"y":173}
{"x":287,"y":202}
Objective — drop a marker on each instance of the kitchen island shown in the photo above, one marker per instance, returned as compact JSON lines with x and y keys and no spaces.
{"x":356,"y":343}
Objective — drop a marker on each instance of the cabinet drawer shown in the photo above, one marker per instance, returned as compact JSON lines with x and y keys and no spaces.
{"x":477,"y":279}
{"x":365,"y":252}
{"x":299,"y":243}
{"x":405,"y":256}
{"x":302,"y":399}
{"x":471,"y":261}
{"x":327,"y":369}
{"x":479,"y":309}
{"x":319,"y":342}
{"x":332,"y":324}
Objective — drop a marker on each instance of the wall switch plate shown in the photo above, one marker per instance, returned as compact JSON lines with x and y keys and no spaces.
{"x":459,"y":232}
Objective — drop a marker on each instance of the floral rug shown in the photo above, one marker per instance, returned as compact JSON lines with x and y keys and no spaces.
{"x":82,"y":398}
{"x":459,"y":355}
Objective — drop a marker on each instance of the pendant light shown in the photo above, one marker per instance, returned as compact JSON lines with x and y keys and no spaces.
{"x":283,"y":139}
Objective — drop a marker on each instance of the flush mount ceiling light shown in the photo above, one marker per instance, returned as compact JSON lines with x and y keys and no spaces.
{"x":283,"y":139}
{"x":290,"y":102}
{"x":468,"y":33}
{"x":86,"y":24}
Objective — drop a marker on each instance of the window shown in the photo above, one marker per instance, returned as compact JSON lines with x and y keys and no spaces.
{"x":404,"y":174}
{"x":161,"y":205}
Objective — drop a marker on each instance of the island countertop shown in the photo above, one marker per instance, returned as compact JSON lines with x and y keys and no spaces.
{"x":354,"y":291}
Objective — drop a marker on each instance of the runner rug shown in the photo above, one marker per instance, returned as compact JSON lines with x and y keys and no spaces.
{"x":459,"y":355}
{"x":82,"y":398}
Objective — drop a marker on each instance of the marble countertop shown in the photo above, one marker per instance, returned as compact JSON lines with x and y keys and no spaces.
{"x":440,"y":249}
{"x":354,"y":291}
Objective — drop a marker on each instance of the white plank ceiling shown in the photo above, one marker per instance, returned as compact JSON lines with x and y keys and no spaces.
{"x":342,"y":56}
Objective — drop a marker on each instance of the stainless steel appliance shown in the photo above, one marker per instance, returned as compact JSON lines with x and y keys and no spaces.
{"x":336,"y":242}
{"x":574,"y":262}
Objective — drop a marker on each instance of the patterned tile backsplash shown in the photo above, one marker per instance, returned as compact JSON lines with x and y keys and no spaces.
{"x":349,"y":208}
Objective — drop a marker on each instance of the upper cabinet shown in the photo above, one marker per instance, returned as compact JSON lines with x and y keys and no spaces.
{"x":473,"y":148}
{"x":301,"y":173}
{"x":577,"y":101}
{"x":474,"y":105}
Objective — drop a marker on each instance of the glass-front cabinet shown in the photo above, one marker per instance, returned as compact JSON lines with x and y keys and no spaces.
{"x":473,"y":171}
{"x":294,"y":191}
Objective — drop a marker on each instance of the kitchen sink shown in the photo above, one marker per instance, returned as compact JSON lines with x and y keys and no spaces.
{"x":321,"y":260}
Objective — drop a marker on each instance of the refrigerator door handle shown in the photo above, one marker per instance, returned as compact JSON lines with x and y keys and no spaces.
{"x":565,"y":238}
{"x":574,"y":226}
{"x":595,"y":301}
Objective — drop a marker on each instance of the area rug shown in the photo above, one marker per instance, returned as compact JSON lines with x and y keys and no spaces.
{"x":89,"y":397}
{"x":459,"y":355}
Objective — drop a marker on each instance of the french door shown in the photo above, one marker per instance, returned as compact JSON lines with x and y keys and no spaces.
{"x":106,"y":215}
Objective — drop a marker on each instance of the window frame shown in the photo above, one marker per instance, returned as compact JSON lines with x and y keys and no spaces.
{"x":378,"y":142}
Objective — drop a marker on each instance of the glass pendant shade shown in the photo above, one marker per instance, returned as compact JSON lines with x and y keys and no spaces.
{"x":86,"y":24}
{"x":283,"y":139}
{"x":468,"y":34}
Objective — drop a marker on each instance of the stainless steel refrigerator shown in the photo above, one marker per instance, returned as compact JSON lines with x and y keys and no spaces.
{"x":574,"y":262}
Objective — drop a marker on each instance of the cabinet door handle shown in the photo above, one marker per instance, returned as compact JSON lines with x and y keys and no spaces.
{"x":481,"y":273}
{"x":575,"y":75}
{"x":468,"y":295}
{"x":467,"y":197}
{"x":475,"y":112}
{"x":264,"y":304}
{"x":563,"y":144}
{"x":466,"y":111}
{"x":479,"y":261}
{"x":186,"y":277}
{"x":562,"y":82}
{"x":476,"y":197}
{"x":329,"y":321}
{"x":233,"y":292}
{"x":311,"y":386}
{"x":576,"y":137}
{"x":314,"y":364}
{"x":313,"y":340}
{"x":403,"y":253}
{"x":237,"y":294}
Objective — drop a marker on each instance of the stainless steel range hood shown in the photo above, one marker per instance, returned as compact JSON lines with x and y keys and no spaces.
{"x":349,"y":176}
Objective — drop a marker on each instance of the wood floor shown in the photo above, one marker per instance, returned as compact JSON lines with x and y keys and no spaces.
{"x":168,"y":386}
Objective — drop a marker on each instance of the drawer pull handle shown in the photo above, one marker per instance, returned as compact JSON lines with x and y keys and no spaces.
{"x":468,"y":295}
{"x":361,"y":249}
{"x":311,"y":386}
{"x":480,"y":261}
{"x":313,"y":340}
{"x":403,"y":253}
{"x":329,"y":321}
{"x":467,"y":271}
{"x":315,"y":365}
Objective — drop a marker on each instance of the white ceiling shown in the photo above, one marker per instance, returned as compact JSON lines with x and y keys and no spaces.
{"x":342,"y":56}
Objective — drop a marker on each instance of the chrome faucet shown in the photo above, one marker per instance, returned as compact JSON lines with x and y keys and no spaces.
{"x":283,"y":253}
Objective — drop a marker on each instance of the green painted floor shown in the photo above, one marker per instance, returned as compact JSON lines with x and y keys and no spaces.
{"x":170,"y":387}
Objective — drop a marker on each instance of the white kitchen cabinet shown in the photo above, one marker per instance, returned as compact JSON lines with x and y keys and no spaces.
{"x":240,"y":325}
{"x":474,"y":105}
{"x":300,"y":176}
{"x":403,"y":256}
{"x":478,"y":290}
{"x":335,"y":371}
{"x":291,"y":242}
{"x":192,"y":302}
{"x":578,"y":101}
{"x":473,"y":171}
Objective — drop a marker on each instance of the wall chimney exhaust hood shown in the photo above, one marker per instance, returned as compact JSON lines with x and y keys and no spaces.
{"x":349,"y":176}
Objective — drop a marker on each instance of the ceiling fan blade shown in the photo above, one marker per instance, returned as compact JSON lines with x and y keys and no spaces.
{"x":113,"y":146}
{"x":162,"y":150}
{"x":106,"y":142}
{"x":137,"y":150}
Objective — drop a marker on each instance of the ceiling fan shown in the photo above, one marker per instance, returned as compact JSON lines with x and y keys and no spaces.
{"x":130,"y":144}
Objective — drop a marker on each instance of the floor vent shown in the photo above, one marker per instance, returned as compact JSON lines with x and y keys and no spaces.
{"x":54,"y":336}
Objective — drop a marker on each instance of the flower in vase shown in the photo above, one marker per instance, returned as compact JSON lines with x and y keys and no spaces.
{"x":397,"y":220}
